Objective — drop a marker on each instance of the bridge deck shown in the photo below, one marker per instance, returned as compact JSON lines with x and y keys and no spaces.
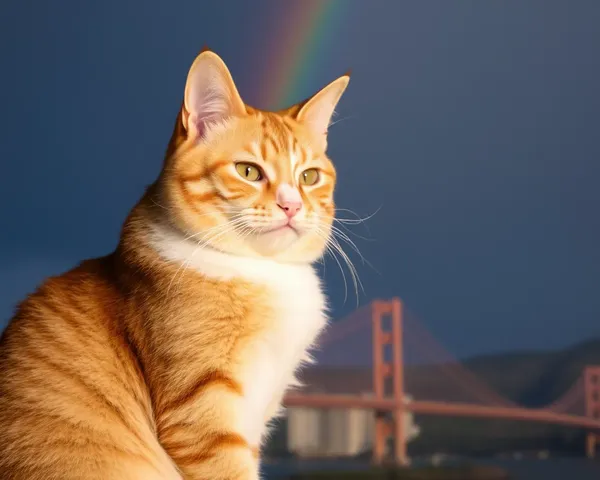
{"x":441,"y":408}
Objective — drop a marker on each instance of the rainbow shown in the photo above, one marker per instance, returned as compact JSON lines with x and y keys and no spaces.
{"x":293,"y":60}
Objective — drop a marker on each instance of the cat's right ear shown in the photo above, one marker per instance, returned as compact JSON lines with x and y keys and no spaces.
{"x":210,"y":95}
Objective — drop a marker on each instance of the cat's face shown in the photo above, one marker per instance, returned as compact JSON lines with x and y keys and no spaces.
{"x":248,"y":182}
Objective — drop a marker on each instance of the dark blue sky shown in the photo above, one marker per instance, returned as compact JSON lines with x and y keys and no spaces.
{"x":475,"y":125}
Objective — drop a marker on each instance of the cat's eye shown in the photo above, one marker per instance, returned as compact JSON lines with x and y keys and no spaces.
{"x":249,"y":171}
{"x":309,"y":177}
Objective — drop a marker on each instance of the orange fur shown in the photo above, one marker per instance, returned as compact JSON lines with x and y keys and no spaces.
{"x":133,"y":366}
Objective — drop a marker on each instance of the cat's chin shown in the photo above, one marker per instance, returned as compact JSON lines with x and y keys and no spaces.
{"x":275,"y":241}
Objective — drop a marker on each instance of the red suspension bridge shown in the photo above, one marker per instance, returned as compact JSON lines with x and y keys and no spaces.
{"x":387,"y":338}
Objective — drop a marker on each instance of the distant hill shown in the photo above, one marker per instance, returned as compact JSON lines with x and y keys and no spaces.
{"x":532,"y":379}
{"x":536,"y":378}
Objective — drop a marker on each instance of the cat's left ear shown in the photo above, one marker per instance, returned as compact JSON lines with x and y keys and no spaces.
{"x":316,"y":113}
{"x":210,"y":95}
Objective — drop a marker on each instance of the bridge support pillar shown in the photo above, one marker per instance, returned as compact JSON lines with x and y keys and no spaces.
{"x":381,"y":436}
{"x":383,"y":368}
{"x":400,"y":456}
{"x":590,"y":445}
{"x":592,"y":406}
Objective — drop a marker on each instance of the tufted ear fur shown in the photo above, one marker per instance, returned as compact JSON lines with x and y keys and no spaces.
{"x":317,"y":111}
{"x":210,"y":95}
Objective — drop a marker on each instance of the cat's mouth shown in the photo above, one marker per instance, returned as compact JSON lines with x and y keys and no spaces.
{"x":283,"y":228}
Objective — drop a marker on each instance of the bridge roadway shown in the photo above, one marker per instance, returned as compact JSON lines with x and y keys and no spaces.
{"x":441,"y":408}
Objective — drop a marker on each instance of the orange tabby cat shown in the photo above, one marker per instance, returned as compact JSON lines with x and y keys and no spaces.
{"x":167,"y":358}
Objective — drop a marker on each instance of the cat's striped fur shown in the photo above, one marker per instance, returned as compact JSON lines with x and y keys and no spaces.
{"x":167,"y":358}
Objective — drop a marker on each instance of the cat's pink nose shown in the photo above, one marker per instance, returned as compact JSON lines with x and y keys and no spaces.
{"x":289,"y":200}
{"x":290,"y":208}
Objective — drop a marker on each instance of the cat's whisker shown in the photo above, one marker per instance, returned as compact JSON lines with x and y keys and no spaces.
{"x":341,"y":120}
{"x":226,"y":228}
{"x":234,"y":217}
{"x":348,"y":221}
{"x":350,"y":232}
{"x":354,"y":273}
{"x":352,"y":269}
{"x":347,"y":239}
{"x":358,"y":217}
{"x":339,"y":234}
{"x":332,"y":252}
{"x":159,"y":205}
{"x":208,"y":235}
{"x":334,"y":246}
{"x":336,"y":232}
{"x":356,"y":221}
{"x":246,"y":231}
{"x":183,"y":266}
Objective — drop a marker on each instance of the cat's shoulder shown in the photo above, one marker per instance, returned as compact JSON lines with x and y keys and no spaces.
{"x":77,"y":293}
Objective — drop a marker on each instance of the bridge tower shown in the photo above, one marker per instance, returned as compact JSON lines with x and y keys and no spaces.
{"x":383,"y":368}
{"x":592,"y":406}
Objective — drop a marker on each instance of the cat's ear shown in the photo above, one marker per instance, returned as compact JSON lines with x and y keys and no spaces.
{"x":210,"y":95}
{"x":317,"y":111}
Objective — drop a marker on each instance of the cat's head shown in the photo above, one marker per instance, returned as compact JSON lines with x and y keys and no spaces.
{"x":250,"y":182}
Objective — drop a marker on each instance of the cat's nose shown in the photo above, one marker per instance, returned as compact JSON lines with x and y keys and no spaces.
{"x":290,"y":208}
{"x":289,"y":200}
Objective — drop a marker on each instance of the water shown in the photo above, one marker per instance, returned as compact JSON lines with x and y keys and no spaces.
{"x":552,"y":469}
{"x":528,"y":469}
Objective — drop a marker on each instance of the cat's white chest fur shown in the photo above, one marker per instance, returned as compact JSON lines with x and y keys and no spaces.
{"x":298,"y":303}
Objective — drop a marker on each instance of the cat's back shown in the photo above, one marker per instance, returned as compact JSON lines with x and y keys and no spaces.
{"x":69,"y":314}
{"x":69,"y":380}
{"x":61,"y":301}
